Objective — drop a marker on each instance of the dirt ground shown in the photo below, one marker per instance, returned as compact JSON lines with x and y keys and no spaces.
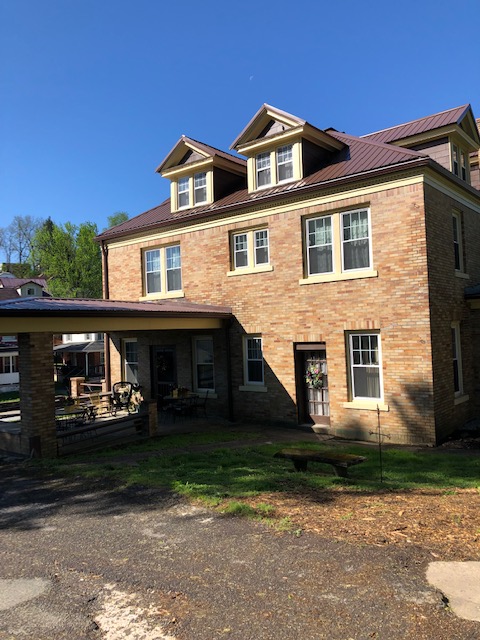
{"x":446,"y":523}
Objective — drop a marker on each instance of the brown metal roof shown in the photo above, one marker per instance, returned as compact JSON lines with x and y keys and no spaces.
{"x":15,"y":283}
{"x":207,"y":149}
{"x":87,"y":307}
{"x":422,"y":125}
{"x":357,"y":157}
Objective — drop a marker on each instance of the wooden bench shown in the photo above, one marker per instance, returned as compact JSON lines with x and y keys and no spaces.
{"x":339,"y":461}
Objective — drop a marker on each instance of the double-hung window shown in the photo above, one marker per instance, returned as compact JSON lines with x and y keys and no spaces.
{"x":284,"y":163}
{"x":457,"y":360}
{"x":319,"y":245}
{"x":163,"y":270}
{"x":264,"y":174}
{"x":365,"y":366}
{"x":130,"y":360}
{"x":250,"y":249}
{"x":460,"y":162}
{"x":253,"y":360}
{"x":199,"y":188}
{"x":204,"y":364}
{"x":457,"y":241}
{"x":183,"y":192}
{"x":355,"y":240}
{"x":174,"y":268}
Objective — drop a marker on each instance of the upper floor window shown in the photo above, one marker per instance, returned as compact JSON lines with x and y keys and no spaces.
{"x":355,"y":240}
{"x":264,"y":176}
{"x":183,"y":192}
{"x":163,"y":270}
{"x":250,"y":249}
{"x":460,"y":163}
{"x":273,"y":167}
{"x":338,"y":243}
{"x":200,"y":188}
{"x":284,"y":163}
{"x":457,"y":241}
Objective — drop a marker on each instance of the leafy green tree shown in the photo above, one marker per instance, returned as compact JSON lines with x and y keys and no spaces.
{"x":70,"y":259}
{"x":117,"y":218}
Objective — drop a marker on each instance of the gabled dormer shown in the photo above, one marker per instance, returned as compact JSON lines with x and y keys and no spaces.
{"x":449,"y":137}
{"x":282,"y":148}
{"x":200,"y":174}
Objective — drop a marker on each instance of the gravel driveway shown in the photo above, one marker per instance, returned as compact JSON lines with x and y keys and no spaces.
{"x":88,"y":562}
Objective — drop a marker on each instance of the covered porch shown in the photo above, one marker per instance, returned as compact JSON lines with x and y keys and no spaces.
{"x":153,"y":325}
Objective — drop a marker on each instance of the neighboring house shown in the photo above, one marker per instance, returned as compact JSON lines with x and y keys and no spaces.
{"x":351,"y":265}
{"x":80,"y":354}
{"x":11,"y":288}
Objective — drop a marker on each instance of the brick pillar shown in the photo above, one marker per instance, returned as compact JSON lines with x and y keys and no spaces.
{"x":76,"y":386}
{"x":37,"y":393}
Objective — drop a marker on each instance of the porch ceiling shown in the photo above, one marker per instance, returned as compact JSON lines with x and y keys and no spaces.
{"x":40,"y":315}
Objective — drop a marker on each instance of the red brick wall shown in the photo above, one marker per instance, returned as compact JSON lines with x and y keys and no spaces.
{"x":284,"y":312}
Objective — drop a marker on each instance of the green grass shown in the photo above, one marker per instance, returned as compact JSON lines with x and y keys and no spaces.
{"x":230,"y":475}
{"x":9,"y":396}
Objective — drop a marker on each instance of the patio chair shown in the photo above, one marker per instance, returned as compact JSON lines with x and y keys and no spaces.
{"x":121,"y":396}
{"x":200,"y":404}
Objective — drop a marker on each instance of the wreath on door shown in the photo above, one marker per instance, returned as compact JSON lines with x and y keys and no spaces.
{"x":314,"y":376}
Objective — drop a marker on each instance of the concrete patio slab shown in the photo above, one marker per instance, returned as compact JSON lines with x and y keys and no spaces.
{"x":460,"y":583}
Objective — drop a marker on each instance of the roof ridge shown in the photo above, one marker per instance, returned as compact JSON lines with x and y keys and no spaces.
{"x":385,"y":145}
{"x":402,"y":124}
{"x":205,"y":144}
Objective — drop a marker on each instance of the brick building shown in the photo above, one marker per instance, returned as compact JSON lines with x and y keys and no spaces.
{"x":351,"y":266}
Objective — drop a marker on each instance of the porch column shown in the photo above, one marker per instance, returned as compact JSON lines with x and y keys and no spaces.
{"x":37,"y":393}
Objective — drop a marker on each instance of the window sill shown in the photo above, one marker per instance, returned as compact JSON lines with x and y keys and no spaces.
{"x":368,"y":405}
{"x":461,"y":274}
{"x":461,"y":399}
{"x":334,"y":277}
{"x":211,"y":394}
{"x":253,"y":387}
{"x":247,"y":270}
{"x":162,"y":296}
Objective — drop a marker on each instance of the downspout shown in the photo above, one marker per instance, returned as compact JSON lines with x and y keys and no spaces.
{"x":228,"y":324}
{"x":106,"y":336}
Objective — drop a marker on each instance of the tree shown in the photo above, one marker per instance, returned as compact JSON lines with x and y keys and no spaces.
{"x":70,"y":259}
{"x":117,"y":218}
{"x":16,"y":239}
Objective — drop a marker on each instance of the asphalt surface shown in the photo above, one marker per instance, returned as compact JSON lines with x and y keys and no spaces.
{"x":83,"y":561}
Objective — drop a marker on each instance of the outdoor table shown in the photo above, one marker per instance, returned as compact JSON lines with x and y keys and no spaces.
{"x":68,"y":417}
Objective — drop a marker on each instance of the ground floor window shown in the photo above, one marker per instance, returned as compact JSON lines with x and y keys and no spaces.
{"x":203,"y":363}
{"x":253,"y":360}
{"x":457,"y":359}
{"x":130,"y":360}
{"x":8,"y":364}
{"x":365,"y":371}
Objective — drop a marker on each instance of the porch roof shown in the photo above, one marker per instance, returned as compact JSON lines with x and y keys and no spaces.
{"x":79,"y":315}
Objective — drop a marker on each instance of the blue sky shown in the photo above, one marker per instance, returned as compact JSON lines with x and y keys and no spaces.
{"x":94,"y":93}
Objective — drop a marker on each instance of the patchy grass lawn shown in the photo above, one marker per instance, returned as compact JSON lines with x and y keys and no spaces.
{"x":428,"y":498}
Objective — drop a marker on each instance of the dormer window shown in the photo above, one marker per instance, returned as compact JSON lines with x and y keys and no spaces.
{"x":264,"y":177}
{"x":460,"y":163}
{"x":183,"y":192}
{"x":285,"y":163}
{"x":200,"y":188}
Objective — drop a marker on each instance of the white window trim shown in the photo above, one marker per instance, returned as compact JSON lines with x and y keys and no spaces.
{"x":461,"y":155}
{"x":250,"y":385}
{"x":125,"y":362}
{"x":307,"y":246}
{"x":163,"y":293}
{"x":274,"y":166}
{"x":195,"y":189}
{"x":458,"y":348}
{"x":251,"y":266}
{"x":457,"y":216}
{"x":369,"y":236}
{"x":363,"y":402}
{"x":202,"y":390}
{"x":277,"y":163}
{"x":185,"y":180}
